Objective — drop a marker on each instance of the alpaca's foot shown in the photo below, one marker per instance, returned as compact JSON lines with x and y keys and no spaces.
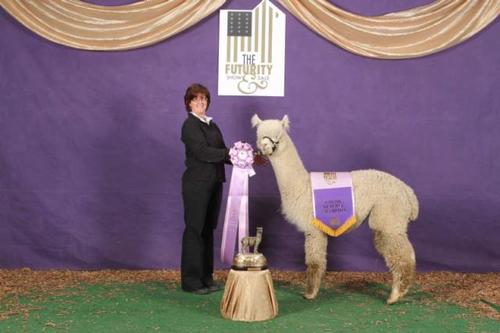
{"x":392,"y":300}
{"x":310,"y":294}
{"x":311,"y":291}
{"x":395,"y":296}
{"x":313,"y":281}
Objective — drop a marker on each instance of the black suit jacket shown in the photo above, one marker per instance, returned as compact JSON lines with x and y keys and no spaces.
{"x":206,"y":151}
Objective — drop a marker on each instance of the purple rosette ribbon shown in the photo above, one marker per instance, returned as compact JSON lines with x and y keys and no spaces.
{"x":241,"y":155}
{"x":236,"y":218}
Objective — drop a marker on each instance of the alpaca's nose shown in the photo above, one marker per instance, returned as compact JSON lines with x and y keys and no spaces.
{"x":265,"y":146}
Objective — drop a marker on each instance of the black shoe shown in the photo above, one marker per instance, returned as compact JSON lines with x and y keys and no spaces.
{"x":214,"y":287}
{"x":201,"y":291}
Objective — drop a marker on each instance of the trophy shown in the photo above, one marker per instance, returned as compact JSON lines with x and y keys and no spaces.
{"x":250,"y":261}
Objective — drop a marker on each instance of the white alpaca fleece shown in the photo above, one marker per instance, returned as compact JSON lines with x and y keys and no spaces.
{"x":387,"y":202}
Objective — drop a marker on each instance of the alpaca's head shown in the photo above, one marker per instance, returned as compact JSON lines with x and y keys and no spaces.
{"x":270,"y":134}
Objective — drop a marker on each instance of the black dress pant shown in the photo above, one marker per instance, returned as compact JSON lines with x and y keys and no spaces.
{"x":202,"y":200}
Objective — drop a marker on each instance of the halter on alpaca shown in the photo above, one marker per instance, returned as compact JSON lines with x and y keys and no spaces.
{"x":274,"y":143}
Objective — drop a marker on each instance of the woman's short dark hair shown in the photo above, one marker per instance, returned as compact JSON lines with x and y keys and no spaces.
{"x":194,"y":90}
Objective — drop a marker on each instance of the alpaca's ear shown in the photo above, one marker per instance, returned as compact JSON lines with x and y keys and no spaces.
{"x":285,"y":122}
{"x":255,"y":120}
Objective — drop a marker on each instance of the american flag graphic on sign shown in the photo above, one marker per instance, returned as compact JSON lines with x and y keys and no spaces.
{"x":253,"y":39}
{"x":251,"y":31}
{"x":239,"y":24}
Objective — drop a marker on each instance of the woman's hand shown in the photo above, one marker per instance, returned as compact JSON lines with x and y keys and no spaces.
{"x":259,"y":159}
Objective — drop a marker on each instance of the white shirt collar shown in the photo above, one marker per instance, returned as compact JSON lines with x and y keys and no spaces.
{"x":206,"y":120}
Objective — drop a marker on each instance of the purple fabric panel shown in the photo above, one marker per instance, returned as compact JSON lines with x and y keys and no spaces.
{"x":333,"y":206}
{"x":91,"y":158}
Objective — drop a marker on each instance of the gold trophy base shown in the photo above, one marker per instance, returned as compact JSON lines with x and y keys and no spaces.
{"x":249,"y":296}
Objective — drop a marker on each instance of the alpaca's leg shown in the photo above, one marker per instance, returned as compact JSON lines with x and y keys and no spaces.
{"x":315,"y":249}
{"x":400,"y":258}
{"x":256,"y":246}
{"x":407,"y":265}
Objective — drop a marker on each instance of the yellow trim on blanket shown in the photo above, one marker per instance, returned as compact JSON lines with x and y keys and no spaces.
{"x":334,"y":232}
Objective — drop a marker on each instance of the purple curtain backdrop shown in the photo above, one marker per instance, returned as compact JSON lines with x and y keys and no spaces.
{"x":91,"y":158}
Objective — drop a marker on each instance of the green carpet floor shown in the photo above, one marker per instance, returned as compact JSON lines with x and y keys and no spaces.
{"x":153,"y":307}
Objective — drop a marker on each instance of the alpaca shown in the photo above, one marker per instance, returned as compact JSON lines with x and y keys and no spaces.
{"x":387,"y":202}
{"x":254,"y":241}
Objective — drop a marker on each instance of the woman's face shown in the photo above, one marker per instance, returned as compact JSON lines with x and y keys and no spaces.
{"x":198,"y":105}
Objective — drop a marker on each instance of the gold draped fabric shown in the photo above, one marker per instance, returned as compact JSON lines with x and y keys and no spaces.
{"x":249,"y":296}
{"x":406,"y":34}
{"x":87,"y":26}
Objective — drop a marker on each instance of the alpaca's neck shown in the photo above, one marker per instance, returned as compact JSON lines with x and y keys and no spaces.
{"x":288,"y":168}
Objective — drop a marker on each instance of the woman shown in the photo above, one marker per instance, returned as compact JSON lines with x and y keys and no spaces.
{"x":202,"y":181}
